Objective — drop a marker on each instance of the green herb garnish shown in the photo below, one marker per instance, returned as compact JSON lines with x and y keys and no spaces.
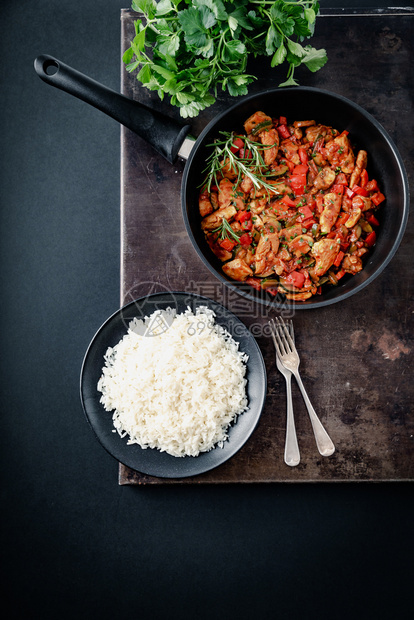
{"x":252,"y":165}
{"x":225,"y":231}
{"x":187,"y":49}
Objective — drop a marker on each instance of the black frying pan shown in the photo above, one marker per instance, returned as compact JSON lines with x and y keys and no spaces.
{"x":169,"y":138}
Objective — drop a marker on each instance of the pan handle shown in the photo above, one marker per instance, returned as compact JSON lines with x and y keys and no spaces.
{"x":164,"y":134}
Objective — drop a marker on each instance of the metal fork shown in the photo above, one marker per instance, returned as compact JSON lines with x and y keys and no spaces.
{"x":292,"y":455}
{"x":288,"y":355}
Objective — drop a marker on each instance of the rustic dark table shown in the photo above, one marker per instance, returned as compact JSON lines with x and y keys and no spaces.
{"x":74,"y":543}
{"x":356,"y":356}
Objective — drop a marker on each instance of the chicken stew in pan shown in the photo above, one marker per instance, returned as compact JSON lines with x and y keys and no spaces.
{"x":288,"y":208}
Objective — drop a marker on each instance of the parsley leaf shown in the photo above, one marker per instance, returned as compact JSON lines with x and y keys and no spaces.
{"x":187,"y":49}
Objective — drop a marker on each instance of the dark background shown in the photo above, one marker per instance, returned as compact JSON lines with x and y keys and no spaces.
{"x":74,"y":544}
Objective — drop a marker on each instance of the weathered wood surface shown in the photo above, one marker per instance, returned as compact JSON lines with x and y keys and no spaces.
{"x":356,"y":357}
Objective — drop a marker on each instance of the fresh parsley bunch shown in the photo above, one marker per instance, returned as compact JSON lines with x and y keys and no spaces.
{"x":188,"y":48}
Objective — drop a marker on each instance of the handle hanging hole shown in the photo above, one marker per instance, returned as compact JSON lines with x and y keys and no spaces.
{"x":50,"y":67}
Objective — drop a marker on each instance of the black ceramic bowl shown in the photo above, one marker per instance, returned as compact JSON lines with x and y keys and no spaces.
{"x":152,"y":461}
{"x":384,"y":164}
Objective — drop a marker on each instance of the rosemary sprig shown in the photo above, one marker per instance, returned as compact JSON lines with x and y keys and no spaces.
{"x":251,"y":165}
{"x":226,"y":232}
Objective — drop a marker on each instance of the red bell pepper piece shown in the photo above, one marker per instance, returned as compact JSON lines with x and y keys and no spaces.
{"x":350,"y":192}
{"x":242,"y":216}
{"x":338,"y":188}
{"x":371,"y":239}
{"x":245,"y":239}
{"x":341,"y":219}
{"x":298,"y":182}
{"x":227,"y":244}
{"x":319,"y":203}
{"x":341,"y":179}
{"x":305,"y":211}
{"x":377,"y":198}
{"x":301,"y":169}
{"x":357,"y":189}
{"x":308,"y":223}
{"x":303,"y":155}
{"x":254,"y":283}
{"x":288,"y":201}
{"x":358,"y":202}
{"x":340,"y":274}
{"x":282,"y":120}
{"x":363,"y":179}
{"x":247,"y":225}
{"x":372,"y":186}
{"x":283,"y":131}
{"x":371,"y":219}
{"x":297,"y":278}
{"x":338,"y":259}
{"x":237,"y":145}
{"x":245,"y":153}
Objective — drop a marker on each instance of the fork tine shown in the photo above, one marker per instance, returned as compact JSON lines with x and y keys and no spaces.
{"x":284,"y":330}
{"x":282,"y":344}
{"x":275,"y":336}
{"x":272,"y":332}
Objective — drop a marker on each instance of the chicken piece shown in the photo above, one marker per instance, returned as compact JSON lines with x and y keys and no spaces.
{"x":339,"y":153}
{"x":332,"y":206}
{"x":273,"y":237}
{"x":290,"y":151}
{"x":255,"y":119}
{"x":225,"y":193}
{"x":351,"y":263}
{"x":270,"y":139}
{"x":296,"y":132}
{"x":304,"y":123}
{"x":324,"y":251}
{"x":314,"y":132}
{"x":257,"y":222}
{"x":257,"y":206}
{"x":299,"y":296}
{"x":204,"y":203}
{"x":270,"y":219}
{"x":360,"y":165}
{"x":227,"y":170}
{"x":237,"y":269}
{"x":346,"y":203}
{"x":363,"y":202}
{"x":212,"y":221}
{"x":265,"y":255}
{"x":354,"y":215}
{"x":246,"y":185}
{"x":284,"y":254}
{"x":318,"y":153}
{"x":277,"y":187}
{"x":214,"y":200}
{"x":244,"y":254}
{"x":217,"y":249}
{"x":300,"y":245}
{"x":326,"y":177}
{"x":288,"y":234}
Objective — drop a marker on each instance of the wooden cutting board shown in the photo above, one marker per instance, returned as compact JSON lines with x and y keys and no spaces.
{"x":356,"y":356}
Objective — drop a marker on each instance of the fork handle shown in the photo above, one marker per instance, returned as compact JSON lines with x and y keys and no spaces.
{"x":323,"y":441}
{"x":292,"y":455}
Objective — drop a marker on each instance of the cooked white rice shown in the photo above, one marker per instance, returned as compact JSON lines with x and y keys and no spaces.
{"x":177,"y":391}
